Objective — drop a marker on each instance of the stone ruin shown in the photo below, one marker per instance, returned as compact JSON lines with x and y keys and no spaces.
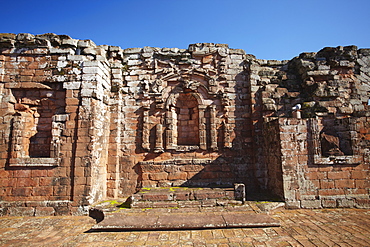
{"x":81,"y":123}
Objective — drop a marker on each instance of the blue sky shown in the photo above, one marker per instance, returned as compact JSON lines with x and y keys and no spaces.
{"x":269,"y":29}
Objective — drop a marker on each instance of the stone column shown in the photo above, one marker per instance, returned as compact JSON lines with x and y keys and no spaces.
{"x":19,"y":146}
{"x":202,"y":128}
{"x":171,"y":138}
{"x":213,"y":128}
{"x":159,"y":138}
{"x":146,"y":130}
{"x":227,"y":136}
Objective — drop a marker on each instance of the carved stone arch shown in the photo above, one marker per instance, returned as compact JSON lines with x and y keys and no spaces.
{"x":185,"y":117}
{"x":207,"y":82}
{"x":174,"y":94}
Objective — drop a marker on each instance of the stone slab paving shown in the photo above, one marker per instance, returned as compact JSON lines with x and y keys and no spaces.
{"x":184,"y":221}
{"x":321,"y":227}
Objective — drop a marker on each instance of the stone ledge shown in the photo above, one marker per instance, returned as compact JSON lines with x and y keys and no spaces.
{"x":30,"y":162}
{"x":338,"y":160}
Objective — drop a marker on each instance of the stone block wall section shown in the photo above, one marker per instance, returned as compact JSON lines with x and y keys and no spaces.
{"x":315,"y":108}
{"x":316,"y":183}
{"x":81,"y":123}
{"x":173,"y":105}
{"x":49,"y":84}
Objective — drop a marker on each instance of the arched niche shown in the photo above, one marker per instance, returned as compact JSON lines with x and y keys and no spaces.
{"x":185,"y":118}
{"x":187,"y":113}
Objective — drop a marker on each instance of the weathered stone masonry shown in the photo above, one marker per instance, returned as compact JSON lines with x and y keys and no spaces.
{"x":81,"y":123}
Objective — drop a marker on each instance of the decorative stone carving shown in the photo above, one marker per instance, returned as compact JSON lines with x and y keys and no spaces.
{"x":157,"y":86}
{"x":213,"y":129}
{"x":192,"y":85}
{"x":330,"y":145}
{"x":202,"y":128}
{"x":227,"y":136}
{"x":146,"y":130}
{"x":159,"y":139}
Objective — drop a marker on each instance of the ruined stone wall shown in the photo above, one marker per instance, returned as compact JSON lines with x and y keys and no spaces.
{"x":324,"y":145}
{"x":314,"y":181}
{"x":54,"y":124}
{"x":185,"y":119}
{"x":80,"y":123}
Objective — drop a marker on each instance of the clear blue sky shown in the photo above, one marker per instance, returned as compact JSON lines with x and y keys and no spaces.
{"x":269,"y":29}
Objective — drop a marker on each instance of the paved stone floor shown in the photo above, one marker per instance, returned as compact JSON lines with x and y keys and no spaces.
{"x":324,"y":227}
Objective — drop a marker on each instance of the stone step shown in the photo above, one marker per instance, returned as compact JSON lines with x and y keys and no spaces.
{"x":183,"y":197}
{"x":182,"y":221}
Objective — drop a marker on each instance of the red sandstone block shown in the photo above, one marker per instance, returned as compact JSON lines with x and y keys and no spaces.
{"x":44,"y":211}
{"x":316,"y":183}
{"x":177,"y":176}
{"x":79,"y":190}
{"x":288,"y":145}
{"x":4,"y":183}
{"x":21,"y":211}
{"x":209,"y":203}
{"x":344,"y":183}
{"x":329,"y":203}
{"x":316,"y":175}
{"x":358,"y":191}
{"x":59,"y":172}
{"x":148,"y":184}
{"x":362,"y":202}
{"x":43,"y":191}
{"x":302,"y":159}
{"x":331,"y":192}
{"x":142,"y":204}
{"x":71,"y":108}
{"x":27,"y":72}
{"x":33,"y":65}
{"x":362,"y":183}
{"x":45,"y":181}
{"x":328,"y":168}
{"x":5,"y":193}
{"x":72,"y":101}
{"x":167,"y":204}
{"x":61,"y":190}
{"x":344,"y":168}
{"x":182,"y":195}
{"x":152,"y":168}
{"x":39,"y":173}
{"x":22,"y":173}
{"x":79,"y":172}
{"x":189,"y":204}
{"x":361,"y":167}
{"x":200,"y":195}
{"x":21,"y":192}
{"x":158,"y":176}
{"x":4,"y":174}
{"x":326,"y":184}
{"x":338,"y":175}
{"x":26,"y":78}
{"x":360,"y":174}
{"x":145,"y":176}
{"x":192,"y":168}
{"x":27,"y":182}
{"x":158,"y":197}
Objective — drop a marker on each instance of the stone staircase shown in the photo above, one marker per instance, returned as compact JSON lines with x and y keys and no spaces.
{"x":184,"y":197}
